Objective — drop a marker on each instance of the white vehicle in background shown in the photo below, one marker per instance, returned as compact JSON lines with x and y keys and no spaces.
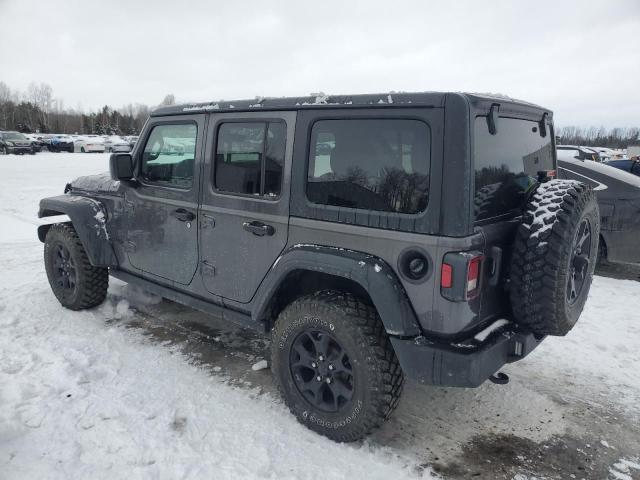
{"x":132,"y":139}
{"x":609,"y":154}
{"x":89,"y":143}
{"x":114,"y":143}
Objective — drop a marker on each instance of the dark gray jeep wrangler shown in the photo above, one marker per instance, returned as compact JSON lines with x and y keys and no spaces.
{"x":376,"y":237}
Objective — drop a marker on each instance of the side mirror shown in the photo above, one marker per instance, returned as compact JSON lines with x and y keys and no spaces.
{"x":121,"y":166}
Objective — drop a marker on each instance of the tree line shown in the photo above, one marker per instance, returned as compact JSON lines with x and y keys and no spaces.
{"x":37,"y":110}
{"x":599,"y":137}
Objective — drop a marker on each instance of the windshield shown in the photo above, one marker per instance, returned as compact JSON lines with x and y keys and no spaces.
{"x":507,"y":164}
{"x":14,"y":136}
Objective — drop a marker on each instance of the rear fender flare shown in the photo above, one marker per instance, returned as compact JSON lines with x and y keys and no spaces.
{"x":88,"y":217}
{"x":373,"y":274}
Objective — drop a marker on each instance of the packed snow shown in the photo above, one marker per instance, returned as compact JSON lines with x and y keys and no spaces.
{"x":90,"y":395}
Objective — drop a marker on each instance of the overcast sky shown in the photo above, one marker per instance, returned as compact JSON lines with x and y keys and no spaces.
{"x":578,"y":58}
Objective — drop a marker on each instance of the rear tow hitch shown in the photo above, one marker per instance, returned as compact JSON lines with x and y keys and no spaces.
{"x":499,"y":378}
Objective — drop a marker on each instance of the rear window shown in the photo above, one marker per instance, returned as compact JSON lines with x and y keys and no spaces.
{"x":507,"y":165}
{"x":370,"y":164}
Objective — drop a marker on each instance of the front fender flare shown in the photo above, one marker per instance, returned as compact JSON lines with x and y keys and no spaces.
{"x":370,"y":272}
{"x":88,"y":217}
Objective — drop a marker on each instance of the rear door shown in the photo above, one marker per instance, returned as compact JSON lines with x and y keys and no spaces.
{"x":244,"y":214}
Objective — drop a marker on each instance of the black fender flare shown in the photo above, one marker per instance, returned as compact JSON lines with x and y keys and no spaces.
{"x":89,"y":218}
{"x":370,"y":272}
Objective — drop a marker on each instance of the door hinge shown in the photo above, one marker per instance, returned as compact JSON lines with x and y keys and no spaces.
{"x":207,"y":269}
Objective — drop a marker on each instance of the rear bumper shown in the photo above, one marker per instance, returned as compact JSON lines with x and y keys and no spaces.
{"x":466,"y":364}
{"x":19,"y":149}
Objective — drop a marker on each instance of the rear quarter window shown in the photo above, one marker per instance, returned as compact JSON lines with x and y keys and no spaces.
{"x":370,"y":164}
{"x":507,"y":165}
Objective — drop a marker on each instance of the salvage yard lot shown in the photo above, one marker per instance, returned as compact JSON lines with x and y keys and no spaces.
{"x":147,"y":388}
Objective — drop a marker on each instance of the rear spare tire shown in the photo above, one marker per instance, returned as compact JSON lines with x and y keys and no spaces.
{"x":554,"y":256}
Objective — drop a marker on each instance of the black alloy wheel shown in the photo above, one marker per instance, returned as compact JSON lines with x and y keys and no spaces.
{"x":64,"y":268}
{"x":321,"y":370}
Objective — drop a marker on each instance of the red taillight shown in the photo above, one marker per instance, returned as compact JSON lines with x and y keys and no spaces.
{"x":473,"y":276}
{"x":446,"y":277}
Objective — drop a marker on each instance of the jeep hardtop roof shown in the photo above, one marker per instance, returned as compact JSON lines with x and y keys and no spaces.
{"x":391,"y":99}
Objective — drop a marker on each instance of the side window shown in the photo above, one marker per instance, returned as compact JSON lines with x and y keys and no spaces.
{"x":169,"y":155}
{"x":250,"y":158}
{"x":371,"y":164}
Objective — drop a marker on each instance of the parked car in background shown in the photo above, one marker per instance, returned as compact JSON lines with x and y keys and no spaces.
{"x":37,"y":144}
{"x":132,"y":139}
{"x":628,"y":165}
{"x":61,"y":143}
{"x":114,"y":143}
{"x":90,"y":143}
{"x":618,"y":196}
{"x":580,"y":153}
{"x":14,"y":142}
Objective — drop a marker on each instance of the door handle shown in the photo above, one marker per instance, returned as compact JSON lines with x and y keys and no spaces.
{"x":259,"y":228}
{"x":183,"y":215}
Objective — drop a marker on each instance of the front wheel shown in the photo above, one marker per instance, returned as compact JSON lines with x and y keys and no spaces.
{"x":335,"y":366}
{"x":74,"y":281}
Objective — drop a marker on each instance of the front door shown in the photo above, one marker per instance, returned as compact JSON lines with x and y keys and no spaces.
{"x":162,"y":237}
{"x":244,"y":214}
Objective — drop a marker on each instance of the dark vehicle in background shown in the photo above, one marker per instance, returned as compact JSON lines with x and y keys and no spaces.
{"x":618,"y":194}
{"x":628,"y":165}
{"x":581,"y":153}
{"x":374,"y":236}
{"x":14,"y":142}
{"x":61,"y":143}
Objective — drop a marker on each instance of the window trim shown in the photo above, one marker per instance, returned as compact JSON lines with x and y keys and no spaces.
{"x":315,"y":205}
{"x":140,"y":157}
{"x":266,"y":121}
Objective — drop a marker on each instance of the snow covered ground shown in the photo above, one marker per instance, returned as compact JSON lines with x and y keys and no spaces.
{"x":143,"y":388}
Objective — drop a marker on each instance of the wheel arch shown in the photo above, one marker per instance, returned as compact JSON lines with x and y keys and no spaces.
{"x":88,"y":217}
{"x":303,"y":269}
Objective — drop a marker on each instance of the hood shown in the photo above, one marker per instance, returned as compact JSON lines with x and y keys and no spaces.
{"x":101,"y":183}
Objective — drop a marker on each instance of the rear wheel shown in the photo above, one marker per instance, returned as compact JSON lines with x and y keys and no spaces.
{"x":74,"y":281}
{"x":335,"y":365}
{"x":554,"y":257}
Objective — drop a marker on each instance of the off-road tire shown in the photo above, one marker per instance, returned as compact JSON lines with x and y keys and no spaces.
{"x":91,"y":282}
{"x":544,"y":253}
{"x":377,"y":376}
